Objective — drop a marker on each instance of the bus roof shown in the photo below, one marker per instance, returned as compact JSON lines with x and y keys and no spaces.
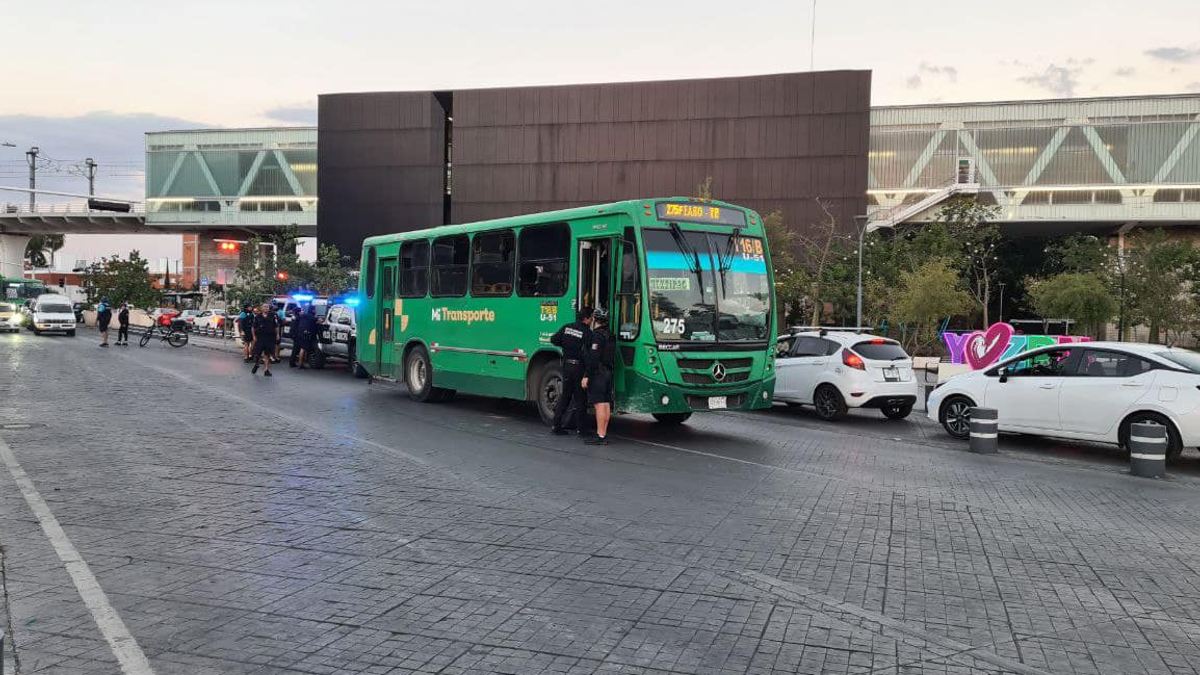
{"x":540,"y":217}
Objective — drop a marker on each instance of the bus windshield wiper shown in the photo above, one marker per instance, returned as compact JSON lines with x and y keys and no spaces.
{"x":726,"y":262}
{"x":689,"y":254}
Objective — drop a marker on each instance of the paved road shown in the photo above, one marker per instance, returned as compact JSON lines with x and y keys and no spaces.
{"x":169,"y":513}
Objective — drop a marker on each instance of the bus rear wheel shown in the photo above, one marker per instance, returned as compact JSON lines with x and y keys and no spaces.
{"x":418,"y":375}
{"x":672,"y":419}
{"x":549,"y":389}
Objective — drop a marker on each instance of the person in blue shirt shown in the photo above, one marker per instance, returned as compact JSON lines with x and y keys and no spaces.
{"x":103,"y":318}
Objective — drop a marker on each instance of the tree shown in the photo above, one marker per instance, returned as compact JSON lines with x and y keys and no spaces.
{"x":122,"y":281}
{"x":969,"y":223}
{"x":1083,"y":253}
{"x":41,"y":244}
{"x":820,"y":248}
{"x":1160,"y":278}
{"x":924,"y":297}
{"x":332,"y":274}
{"x":1082,"y":296}
{"x":789,"y":282}
{"x":253,"y":280}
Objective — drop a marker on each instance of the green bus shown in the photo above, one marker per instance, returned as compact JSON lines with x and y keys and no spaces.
{"x":687,"y":284}
{"x":18,"y":290}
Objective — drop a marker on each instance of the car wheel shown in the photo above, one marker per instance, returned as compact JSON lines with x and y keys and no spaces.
{"x":1174,"y":443}
{"x":955,"y":416}
{"x":359,"y":372}
{"x":37,"y":332}
{"x":316,"y":360}
{"x":672,"y":419}
{"x":549,"y":389}
{"x":898,"y":411}
{"x":71,"y":333}
{"x":828,"y":402}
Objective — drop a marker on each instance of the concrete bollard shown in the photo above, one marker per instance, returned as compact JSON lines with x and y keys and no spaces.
{"x":1148,"y":450}
{"x":985,"y":430}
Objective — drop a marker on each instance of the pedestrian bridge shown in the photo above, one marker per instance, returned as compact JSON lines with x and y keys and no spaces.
{"x":1046,"y":165}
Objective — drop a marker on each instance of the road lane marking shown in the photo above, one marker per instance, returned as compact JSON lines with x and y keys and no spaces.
{"x":120,"y":640}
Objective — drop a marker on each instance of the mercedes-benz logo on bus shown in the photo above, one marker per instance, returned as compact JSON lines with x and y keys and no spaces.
{"x":718,"y":371}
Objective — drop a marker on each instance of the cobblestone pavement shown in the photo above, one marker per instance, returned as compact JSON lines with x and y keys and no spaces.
{"x":311,"y":523}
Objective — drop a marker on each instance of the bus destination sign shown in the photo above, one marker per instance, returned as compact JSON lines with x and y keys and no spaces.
{"x":700,"y":213}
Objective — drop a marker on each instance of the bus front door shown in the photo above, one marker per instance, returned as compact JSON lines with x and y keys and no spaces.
{"x":386,"y":292}
{"x":594,"y":285}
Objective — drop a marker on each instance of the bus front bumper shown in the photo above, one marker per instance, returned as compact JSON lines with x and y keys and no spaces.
{"x":651,"y":396}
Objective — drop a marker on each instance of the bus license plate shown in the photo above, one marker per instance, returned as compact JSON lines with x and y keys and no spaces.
{"x":716,"y":402}
{"x":891,"y":375}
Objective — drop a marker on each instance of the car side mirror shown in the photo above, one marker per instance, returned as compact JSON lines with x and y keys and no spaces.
{"x":1003,"y":373}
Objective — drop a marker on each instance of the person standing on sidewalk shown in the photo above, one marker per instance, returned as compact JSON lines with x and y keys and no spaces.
{"x":123,"y":325}
{"x":304,"y":336}
{"x":601,"y":358}
{"x":103,"y":318}
{"x":266,"y":338}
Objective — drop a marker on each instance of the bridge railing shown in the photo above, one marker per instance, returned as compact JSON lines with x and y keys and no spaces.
{"x":62,"y":209}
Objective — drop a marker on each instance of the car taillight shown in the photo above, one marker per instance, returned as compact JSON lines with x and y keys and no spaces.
{"x":853,"y":360}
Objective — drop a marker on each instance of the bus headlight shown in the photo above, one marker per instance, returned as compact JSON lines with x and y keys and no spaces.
{"x":666,"y":400}
{"x":764,"y":395}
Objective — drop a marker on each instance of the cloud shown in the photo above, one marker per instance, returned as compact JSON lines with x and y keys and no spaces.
{"x":298,"y":114}
{"x":1125,"y":72}
{"x":1175,"y":54}
{"x":928,"y":70}
{"x":1060,"y":81}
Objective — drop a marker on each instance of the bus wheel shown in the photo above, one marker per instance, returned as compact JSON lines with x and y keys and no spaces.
{"x":549,"y":389}
{"x":418,"y":375}
{"x":672,"y":419}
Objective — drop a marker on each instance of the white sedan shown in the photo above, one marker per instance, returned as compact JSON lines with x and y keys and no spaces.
{"x":209,"y":319}
{"x":1092,"y":391}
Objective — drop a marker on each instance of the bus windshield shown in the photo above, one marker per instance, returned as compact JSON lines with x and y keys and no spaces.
{"x":706,"y":287}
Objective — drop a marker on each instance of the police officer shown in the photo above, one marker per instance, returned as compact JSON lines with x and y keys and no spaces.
{"x":245,"y":323}
{"x":572,"y":339}
{"x":304,"y":336}
{"x":266,"y":338}
{"x":123,"y":325}
{"x":598,"y":381}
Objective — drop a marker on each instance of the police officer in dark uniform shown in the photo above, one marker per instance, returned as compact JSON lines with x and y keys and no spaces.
{"x":572,"y":339}
{"x":598,"y":381}
{"x":304,"y":336}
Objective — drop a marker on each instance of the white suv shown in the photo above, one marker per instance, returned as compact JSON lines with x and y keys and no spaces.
{"x":833,"y":371}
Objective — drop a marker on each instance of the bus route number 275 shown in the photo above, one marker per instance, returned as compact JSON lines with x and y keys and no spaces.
{"x":673,"y":325}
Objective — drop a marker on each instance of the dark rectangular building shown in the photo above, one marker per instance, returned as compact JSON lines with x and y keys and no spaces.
{"x":768,"y":142}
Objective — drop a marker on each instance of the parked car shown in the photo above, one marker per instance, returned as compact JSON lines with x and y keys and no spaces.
{"x":52,"y":313}
{"x":213,"y":319}
{"x":189,"y":316}
{"x":339,"y":338}
{"x":834,"y":371}
{"x":1092,"y":391}
{"x":10,"y":318}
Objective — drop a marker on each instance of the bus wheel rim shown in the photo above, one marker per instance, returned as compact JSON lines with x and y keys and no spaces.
{"x":418,"y":373}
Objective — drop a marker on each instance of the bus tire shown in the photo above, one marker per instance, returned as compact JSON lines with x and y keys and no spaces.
{"x":418,"y":375}
{"x":671,"y":419}
{"x":549,"y":389}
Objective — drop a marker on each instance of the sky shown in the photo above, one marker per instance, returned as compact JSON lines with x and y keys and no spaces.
{"x":88,"y":81}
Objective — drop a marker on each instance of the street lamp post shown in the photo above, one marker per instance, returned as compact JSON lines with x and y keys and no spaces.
{"x":1001,"y":318}
{"x":861,"y":223}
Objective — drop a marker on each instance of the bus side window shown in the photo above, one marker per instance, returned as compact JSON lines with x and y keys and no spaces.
{"x":492,"y":264}
{"x":414,"y":269}
{"x":449,"y":269}
{"x":544,"y":260}
{"x":630,"y":292}
{"x":370,"y":273}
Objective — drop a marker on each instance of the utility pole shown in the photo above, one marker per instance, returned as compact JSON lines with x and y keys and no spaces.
{"x":90,"y":165}
{"x":31,"y":156}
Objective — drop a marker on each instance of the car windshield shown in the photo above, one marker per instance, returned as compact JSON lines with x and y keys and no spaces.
{"x":706,"y":287}
{"x":55,"y":309}
{"x":1183,"y":358}
{"x":880,"y":350}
